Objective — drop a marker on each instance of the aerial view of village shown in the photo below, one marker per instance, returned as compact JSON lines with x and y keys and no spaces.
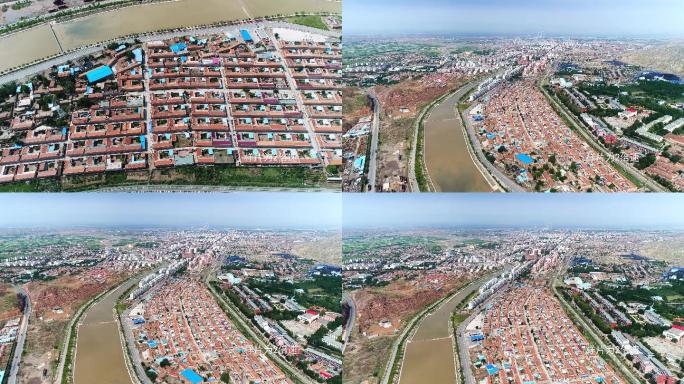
{"x":141,"y":303}
{"x":475,"y":291}
{"x":250,"y":100}
{"x":488,"y":102}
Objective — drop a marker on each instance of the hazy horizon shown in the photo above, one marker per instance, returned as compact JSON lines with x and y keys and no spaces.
{"x":255,"y":210}
{"x":517,"y":210}
{"x":580,"y":18}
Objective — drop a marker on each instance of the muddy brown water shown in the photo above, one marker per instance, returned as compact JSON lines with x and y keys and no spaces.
{"x":429,"y":355}
{"x":446,"y":153}
{"x":26,"y":46}
{"x":99,"y":354}
{"x":36,"y":43}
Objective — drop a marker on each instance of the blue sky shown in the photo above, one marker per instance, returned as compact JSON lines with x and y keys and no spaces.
{"x":659,"y":18}
{"x":627,"y":210}
{"x":330,"y":211}
{"x":263,"y":210}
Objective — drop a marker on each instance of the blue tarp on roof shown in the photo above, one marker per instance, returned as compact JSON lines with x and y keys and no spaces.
{"x":360,"y":162}
{"x":191,"y":376}
{"x":138,"y":54}
{"x":152,"y":344}
{"x":476,"y":337}
{"x":179,"y":47}
{"x":245,"y":35}
{"x":491,"y":369}
{"x":142,"y":141}
{"x":138,"y":321}
{"x":524,"y":158}
{"x":99,"y":73}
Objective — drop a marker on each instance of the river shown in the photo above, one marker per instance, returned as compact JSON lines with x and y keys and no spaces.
{"x":448,"y":162}
{"x":429,"y":354}
{"x":36,"y":43}
{"x":99,"y":354}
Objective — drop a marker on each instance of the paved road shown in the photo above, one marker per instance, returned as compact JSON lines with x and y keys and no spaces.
{"x":48,"y":63}
{"x":133,"y":354}
{"x":503,"y":180}
{"x":375,"y":132}
{"x":464,"y":358}
{"x":209,"y":188}
{"x":589,"y":138}
{"x":21,"y":339}
{"x":289,"y":75}
{"x":349,"y":327}
{"x":594,"y":332}
{"x":257,"y":337}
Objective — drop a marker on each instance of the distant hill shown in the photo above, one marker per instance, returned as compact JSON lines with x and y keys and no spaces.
{"x":666,"y":58}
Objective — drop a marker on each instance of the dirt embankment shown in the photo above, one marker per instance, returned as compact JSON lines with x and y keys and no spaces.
{"x":355,"y":105}
{"x":393,"y":305}
{"x":54,"y":302}
{"x":9,"y":303}
{"x":401,"y":104}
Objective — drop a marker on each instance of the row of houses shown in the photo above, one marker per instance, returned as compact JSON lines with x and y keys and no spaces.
{"x":644,"y":358}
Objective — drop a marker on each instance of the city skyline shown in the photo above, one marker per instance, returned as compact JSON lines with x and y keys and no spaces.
{"x":611,"y":18}
{"x":517,"y":210}
{"x":239,"y":210}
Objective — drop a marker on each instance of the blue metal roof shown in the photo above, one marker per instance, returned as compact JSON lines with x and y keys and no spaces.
{"x":99,"y":73}
{"x":179,"y":47}
{"x":491,"y":369}
{"x":245,"y":35}
{"x":524,"y":158}
{"x":138,"y":55}
{"x":192,"y":376}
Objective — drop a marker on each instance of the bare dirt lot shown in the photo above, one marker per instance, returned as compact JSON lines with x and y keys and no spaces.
{"x":54,"y":303}
{"x":355,"y":105}
{"x":396,"y":302}
{"x":666,"y":57}
{"x":9,"y":303}
{"x":325,"y":250}
{"x":33,"y":8}
{"x":401,"y":104}
{"x":668,"y":250}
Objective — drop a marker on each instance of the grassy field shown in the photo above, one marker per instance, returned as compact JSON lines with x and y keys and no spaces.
{"x":218,"y":175}
{"x":364,"y":246}
{"x":11,"y":246}
{"x":8,"y":299}
{"x":309,"y":21}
